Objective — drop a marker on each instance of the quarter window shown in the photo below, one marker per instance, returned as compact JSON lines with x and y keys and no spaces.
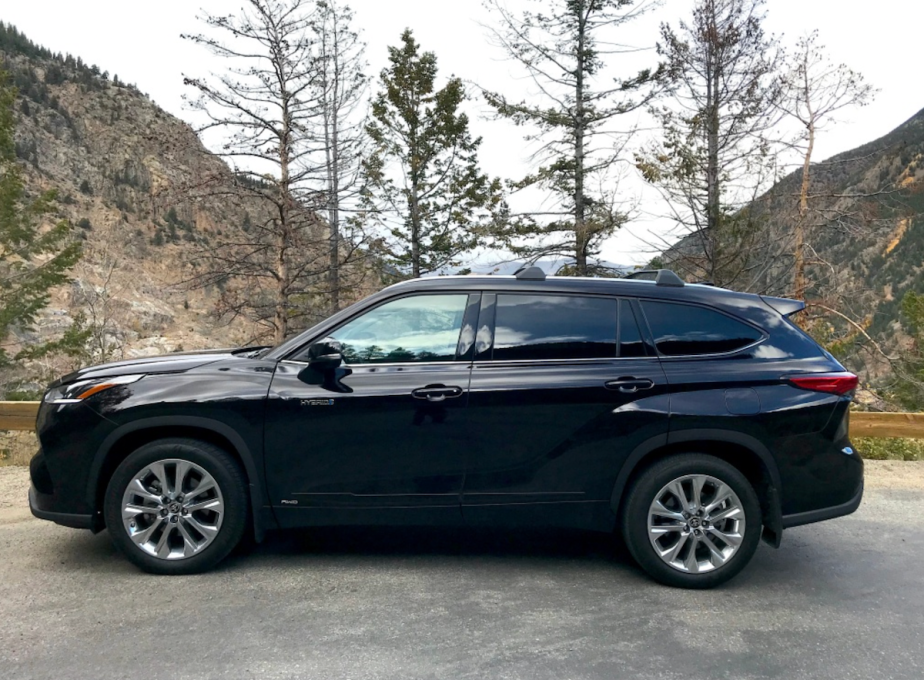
{"x":683,"y":330}
{"x":554,"y":327}
{"x":413,"y":329}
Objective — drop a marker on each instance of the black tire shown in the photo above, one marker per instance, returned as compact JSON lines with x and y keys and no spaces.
{"x":643,"y":492}
{"x":233,"y":489}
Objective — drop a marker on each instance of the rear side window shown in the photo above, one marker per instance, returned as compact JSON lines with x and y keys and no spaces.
{"x":554,"y":327}
{"x":684,"y":330}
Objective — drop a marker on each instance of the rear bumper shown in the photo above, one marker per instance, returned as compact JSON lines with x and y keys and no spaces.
{"x":39,"y":501}
{"x":822,"y":514}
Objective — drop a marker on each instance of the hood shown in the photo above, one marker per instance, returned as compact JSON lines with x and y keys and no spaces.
{"x":168,"y":363}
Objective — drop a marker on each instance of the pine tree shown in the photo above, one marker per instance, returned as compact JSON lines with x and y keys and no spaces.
{"x":424,"y":184}
{"x":32,"y":260}
{"x":565,"y":50}
{"x":717,"y":155}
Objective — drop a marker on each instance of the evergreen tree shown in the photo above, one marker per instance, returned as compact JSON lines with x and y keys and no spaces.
{"x":32,"y":261}
{"x":565,"y":49}
{"x":717,"y":156}
{"x":423,"y":181}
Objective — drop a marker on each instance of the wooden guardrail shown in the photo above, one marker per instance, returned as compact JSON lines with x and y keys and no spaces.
{"x":20,"y":415}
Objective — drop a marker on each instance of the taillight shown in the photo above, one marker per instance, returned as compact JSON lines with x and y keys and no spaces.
{"x":835,"y":383}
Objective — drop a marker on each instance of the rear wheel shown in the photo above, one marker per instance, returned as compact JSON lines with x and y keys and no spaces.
{"x":692,"y":521}
{"x":177,"y":506}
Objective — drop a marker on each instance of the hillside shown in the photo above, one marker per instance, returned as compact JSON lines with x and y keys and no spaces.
{"x":139,"y":188}
{"x":866,"y":238}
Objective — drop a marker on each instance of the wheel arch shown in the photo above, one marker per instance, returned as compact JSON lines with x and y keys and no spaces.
{"x":743,"y":451}
{"x":129,"y":437}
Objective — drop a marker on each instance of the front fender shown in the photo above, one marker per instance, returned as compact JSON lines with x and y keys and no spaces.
{"x":263,"y":520}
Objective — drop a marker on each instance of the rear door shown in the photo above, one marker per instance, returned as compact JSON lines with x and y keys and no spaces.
{"x":563,"y":389}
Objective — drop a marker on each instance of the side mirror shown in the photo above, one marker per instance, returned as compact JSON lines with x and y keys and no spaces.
{"x":325,"y":355}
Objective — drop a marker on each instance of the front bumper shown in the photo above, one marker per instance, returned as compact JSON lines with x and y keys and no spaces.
{"x":822,"y":514}
{"x":38,"y":502}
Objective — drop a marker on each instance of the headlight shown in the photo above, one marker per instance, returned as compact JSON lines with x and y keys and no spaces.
{"x":78,"y":391}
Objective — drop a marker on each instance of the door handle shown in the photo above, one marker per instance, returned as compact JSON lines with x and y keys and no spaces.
{"x":437,"y":392}
{"x":630,"y":385}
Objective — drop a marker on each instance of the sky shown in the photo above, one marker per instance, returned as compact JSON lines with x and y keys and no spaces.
{"x":140,"y":41}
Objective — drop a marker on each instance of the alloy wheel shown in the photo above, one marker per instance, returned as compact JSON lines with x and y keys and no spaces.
{"x":172,"y":509}
{"x":696,"y":523}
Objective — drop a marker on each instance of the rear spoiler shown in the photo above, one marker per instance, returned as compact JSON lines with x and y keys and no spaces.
{"x":784,"y":306}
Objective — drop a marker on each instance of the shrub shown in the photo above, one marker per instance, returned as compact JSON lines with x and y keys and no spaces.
{"x":84,"y":223}
{"x":890,"y":449}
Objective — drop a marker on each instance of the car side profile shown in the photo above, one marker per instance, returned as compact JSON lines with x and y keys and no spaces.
{"x":693,"y":420}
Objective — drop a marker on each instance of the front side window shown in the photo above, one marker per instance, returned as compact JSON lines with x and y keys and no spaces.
{"x":554,"y":327}
{"x":413,"y":329}
{"x":685,"y":330}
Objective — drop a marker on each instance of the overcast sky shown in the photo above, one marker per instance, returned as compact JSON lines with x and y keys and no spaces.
{"x":140,"y":41}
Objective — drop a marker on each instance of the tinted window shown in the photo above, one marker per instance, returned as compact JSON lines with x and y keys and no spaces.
{"x":422,"y":328}
{"x":554,"y":327}
{"x":630,"y":338}
{"x":681,"y":330}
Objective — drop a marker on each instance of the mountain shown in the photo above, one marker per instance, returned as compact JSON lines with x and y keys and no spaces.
{"x":866,"y":239}
{"x":140,"y":189}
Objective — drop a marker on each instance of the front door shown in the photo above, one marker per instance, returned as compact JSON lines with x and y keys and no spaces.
{"x":382,"y":439}
{"x":561,"y":394}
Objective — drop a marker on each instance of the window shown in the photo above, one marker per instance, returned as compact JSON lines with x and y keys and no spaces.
{"x":554,"y":327}
{"x":420,"y":328}
{"x":630,"y":338}
{"x":683,"y":330}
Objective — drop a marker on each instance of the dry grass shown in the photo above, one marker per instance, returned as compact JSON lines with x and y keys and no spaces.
{"x":890,"y":449}
{"x":17,"y":448}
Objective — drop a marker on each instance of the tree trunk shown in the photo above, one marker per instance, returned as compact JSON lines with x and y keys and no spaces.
{"x":799,"y":284}
{"x":331,"y":129}
{"x":713,"y":190}
{"x":580,"y":225}
{"x":415,"y":232}
{"x":281,"y":315}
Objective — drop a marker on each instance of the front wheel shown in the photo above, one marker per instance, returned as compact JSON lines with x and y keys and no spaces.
{"x":176,"y":506}
{"x":692,"y":521}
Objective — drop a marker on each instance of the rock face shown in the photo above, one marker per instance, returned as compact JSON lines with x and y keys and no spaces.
{"x":140,"y":190}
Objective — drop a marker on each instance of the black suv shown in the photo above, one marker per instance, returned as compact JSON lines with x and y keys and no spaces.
{"x":694,"y":419}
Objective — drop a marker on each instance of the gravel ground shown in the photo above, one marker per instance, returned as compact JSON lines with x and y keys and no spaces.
{"x":840,"y":600}
{"x":14,"y":487}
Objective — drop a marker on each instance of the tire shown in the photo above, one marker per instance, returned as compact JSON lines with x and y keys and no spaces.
{"x":200,"y":523}
{"x":728,"y":533}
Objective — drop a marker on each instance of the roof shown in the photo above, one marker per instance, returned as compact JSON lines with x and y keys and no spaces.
{"x":576,"y":284}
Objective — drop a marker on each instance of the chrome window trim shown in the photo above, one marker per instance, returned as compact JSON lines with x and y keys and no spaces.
{"x":686,"y":357}
{"x":293,"y":362}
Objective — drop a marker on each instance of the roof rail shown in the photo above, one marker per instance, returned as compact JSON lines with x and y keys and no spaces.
{"x":661,"y":277}
{"x":529,"y":273}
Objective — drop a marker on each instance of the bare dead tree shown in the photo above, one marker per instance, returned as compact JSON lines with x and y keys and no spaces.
{"x":263,"y":109}
{"x":341,"y":91}
{"x":816,"y":90}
